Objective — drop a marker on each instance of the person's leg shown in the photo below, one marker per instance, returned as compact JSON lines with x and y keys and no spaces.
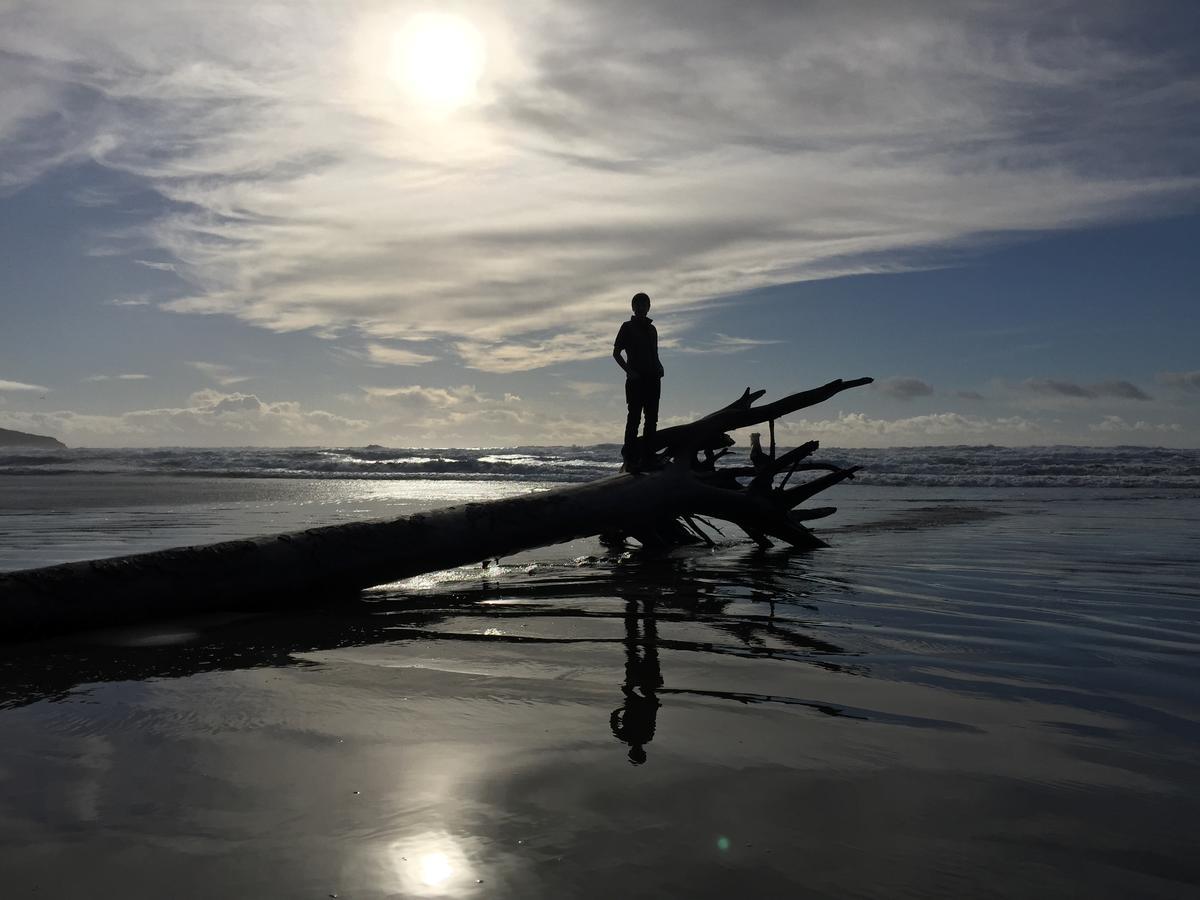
{"x":629,"y":450}
{"x":650,"y":398}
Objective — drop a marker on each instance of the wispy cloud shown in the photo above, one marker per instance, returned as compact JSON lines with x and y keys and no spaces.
{"x":221,"y":374}
{"x":592,"y":388}
{"x":1054,"y":387}
{"x":159,"y":266}
{"x":396,"y":356}
{"x":723,"y":344}
{"x":128,"y":376}
{"x":418,"y":397}
{"x":22,"y":386}
{"x":94,"y":196}
{"x":903,"y":388}
{"x":1186,"y":381}
{"x":132,"y":300}
{"x":519,"y":355}
{"x":692,"y":150}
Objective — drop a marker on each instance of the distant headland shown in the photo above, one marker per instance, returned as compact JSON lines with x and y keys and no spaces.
{"x":37,"y":441}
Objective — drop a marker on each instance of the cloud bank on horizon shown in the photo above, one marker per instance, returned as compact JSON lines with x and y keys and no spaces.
{"x":702,"y":147}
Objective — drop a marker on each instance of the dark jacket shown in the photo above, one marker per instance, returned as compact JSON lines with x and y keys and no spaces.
{"x":639,"y":339}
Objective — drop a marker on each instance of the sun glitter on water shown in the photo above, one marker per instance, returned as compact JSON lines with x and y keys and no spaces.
{"x":438,"y":58}
{"x":435,"y":870}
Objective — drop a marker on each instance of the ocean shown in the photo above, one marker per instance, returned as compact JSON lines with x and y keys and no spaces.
{"x":987,"y":686}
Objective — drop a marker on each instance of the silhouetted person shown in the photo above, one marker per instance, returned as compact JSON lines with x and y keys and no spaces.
{"x":638,"y":338}
{"x":758,"y":456}
{"x":633,"y":723}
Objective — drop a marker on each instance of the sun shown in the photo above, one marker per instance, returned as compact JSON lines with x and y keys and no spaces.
{"x":439,"y":59}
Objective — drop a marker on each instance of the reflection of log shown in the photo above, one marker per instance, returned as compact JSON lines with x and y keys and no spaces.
{"x":338,"y":560}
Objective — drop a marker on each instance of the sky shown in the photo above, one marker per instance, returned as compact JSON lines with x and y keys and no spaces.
{"x":420,"y":224}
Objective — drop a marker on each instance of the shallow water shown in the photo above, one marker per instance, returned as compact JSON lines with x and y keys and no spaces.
{"x":974,"y":692}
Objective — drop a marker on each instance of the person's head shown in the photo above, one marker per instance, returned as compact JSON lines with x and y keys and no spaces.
{"x":641,"y":304}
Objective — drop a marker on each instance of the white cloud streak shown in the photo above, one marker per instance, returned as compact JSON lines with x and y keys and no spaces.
{"x":22,"y":387}
{"x":724,"y":344}
{"x":128,"y":376}
{"x":592,"y":388}
{"x":396,"y":356}
{"x":221,"y":374}
{"x":690,"y":149}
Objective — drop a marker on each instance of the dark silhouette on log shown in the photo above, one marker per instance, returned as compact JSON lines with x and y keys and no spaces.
{"x":662,"y":507}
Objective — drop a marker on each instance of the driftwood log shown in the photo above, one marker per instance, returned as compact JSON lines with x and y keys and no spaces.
{"x":663,"y":506}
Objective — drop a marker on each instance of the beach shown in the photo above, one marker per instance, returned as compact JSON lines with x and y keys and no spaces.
{"x":987,"y":686}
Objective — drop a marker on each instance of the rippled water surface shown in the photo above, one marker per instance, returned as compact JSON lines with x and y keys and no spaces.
{"x":974,"y":693}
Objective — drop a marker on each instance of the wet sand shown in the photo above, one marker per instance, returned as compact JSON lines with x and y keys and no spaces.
{"x":969,"y":695}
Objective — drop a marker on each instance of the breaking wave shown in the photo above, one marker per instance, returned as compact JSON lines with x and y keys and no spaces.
{"x":992,"y":467}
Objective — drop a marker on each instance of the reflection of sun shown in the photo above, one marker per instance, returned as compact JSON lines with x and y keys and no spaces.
{"x":433,"y":864}
{"x":439,"y":58}
{"x":435,"y":869}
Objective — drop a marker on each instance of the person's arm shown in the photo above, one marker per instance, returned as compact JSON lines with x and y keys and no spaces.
{"x":618,"y":346}
{"x":620,"y":361}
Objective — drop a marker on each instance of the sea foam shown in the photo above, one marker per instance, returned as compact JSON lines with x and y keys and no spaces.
{"x":965,"y":466}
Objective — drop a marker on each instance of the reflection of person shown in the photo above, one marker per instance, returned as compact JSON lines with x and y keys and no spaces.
{"x":634,"y":722}
{"x":638,"y":338}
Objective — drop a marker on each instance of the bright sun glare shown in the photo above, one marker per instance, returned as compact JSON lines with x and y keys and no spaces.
{"x":439,"y":58}
{"x":435,"y":870}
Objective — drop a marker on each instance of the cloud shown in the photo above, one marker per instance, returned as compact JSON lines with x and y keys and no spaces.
{"x":135,"y":300}
{"x":1053,"y":387}
{"x":160,"y":266}
{"x":1184,"y":381}
{"x":236,"y":403}
{"x":92,"y":196}
{"x":969,"y":395}
{"x":522,"y":355}
{"x":860,"y":430}
{"x":417,"y":415}
{"x":1117,"y":424}
{"x":1057,"y":388}
{"x":128,"y":376}
{"x":592,"y":388}
{"x":221,"y":374}
{"x":396,"y":356}
{"x":725,"y":344}
{"x":210,"y":418}
{"x":22,"y":386}
{"x":904,"y":388}
{"x":691,"y":149}
{"x":417,"y":397}
{"x":1123,"y":389}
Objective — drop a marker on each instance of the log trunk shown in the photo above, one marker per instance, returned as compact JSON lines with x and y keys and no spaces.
{"x":340,"y":560}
